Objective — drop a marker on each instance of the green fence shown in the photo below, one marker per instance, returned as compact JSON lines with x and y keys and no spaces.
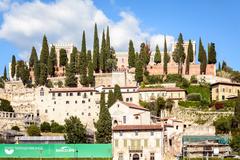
{"x":55,"y":150}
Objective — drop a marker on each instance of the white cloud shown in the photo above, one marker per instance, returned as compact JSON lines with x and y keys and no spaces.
{"x":4,"y":5}
{"x":64,"y":20}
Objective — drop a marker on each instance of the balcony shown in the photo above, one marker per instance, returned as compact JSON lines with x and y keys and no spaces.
{"x":135,"y":148}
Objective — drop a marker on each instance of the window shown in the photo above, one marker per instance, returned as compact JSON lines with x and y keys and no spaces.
{"x":79,"y":93}
{"x":67,"y":102}
{"x":230,"y":90}
{"x":217,"y":90}
{"x":131,"y":99}
{"x":116,"y":143}
{"x":89,"y":114}
{"x":82,"y":113}
{"x":136,"y":133}
{"x":67,"y":114}
{"x":91,"y":93}
{"x":127,"y":99}
{"x":223,"y":97}
{"x":157,"y":143}
{"x":46,"y":110}
{"x":75,"y":102}
{"x":120,"y":133}
{"x":66,"y":94}
{"x":170,"y":142}
{"x":41,"y":100}
{"x":59,"y":94}
{"x":53,"y":94}
{"x":124,"y":119}
{"x":85,"y":95}
{"x":152,"y":156}
{"x":223,"y":89}
{"x":125,"y":143}
{"x":145,"y":143}
{"x":152,"y":133}
{"x":53,"y":109}
{"x":55,"y":102}
{"x":89,"y":100}
{"x":83,"y":101}
{"x":41,"y":92}
{"x":176,"y":127}
{"x":120,"y":156}
{"x":71,"y":94}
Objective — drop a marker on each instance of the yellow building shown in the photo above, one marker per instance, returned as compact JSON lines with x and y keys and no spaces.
{"x":224,"y":90}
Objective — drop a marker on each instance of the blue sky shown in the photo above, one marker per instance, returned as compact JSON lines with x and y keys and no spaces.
{"x":22,"y":24}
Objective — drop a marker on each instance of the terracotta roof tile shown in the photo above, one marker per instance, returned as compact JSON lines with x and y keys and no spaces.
{"x":134,"y":106}
{"x":75,"y":89}
{"x":170,"y":89}
{"x":137,"y":127}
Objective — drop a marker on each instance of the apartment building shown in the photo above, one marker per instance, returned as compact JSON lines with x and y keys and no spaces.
{"x":224,"y":90}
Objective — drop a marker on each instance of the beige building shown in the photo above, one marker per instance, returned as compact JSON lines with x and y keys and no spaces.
{"x":224,"y":90}
{"x":151,"y":94}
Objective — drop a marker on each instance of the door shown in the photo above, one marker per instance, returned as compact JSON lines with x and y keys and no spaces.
{"x":135,"y":157}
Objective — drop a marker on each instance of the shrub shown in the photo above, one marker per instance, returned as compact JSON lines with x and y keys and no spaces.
{"x":193,"y":79}
{"x":56,"y":128}
{"x":49,"y":84}
{"x":223,"y":125}
{"x":16,"y":128}
{"x":5,"y":106}
{"x":45,"y":127}
{"x":194,"y":97}
{"x":60,"y":84}
{"x":33,"y":130}
{"x":189,"y":104}
{"x":153,"y":79}
{"x":203,"y":90}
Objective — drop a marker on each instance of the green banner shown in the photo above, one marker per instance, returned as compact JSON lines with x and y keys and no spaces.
{"x":55,"y":150}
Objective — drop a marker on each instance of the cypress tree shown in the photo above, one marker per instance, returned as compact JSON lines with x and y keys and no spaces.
{"x":166,"y":58}
{"x":111,"y":99}
{"x":32,"y":57}
{"x":25,"y":74}
{"x":139,"y":71}
{"x":13,"y":66}
{"x":63,"y":60}
{"x":108,"y":45}
{"x":178,"y":54}
{"x":45,"y":51}
{"x":36,"y":70}
{"x":131,"y":55}
{"x":219,"y":66}
{"x":74,"y":59}
{"x":157,"y":56}
{"x":5,"y":74}
{"x":211,"y":54}
{"x":189,"y":56}
{"x":83,"y":62}
{"x":103,"y":54}
{"x":111,"y":63}
{"x":52,"y":61}
{"x":224,"y":66}
{"x":71,"y":79}
{"x":117,"y":93}
{"x":20,"y":67}
{"x":200,"y":51}
{"x":43,"y":74}
{"x":91,"y":79}
{"x":144,"y":54}
{"x":89,"y":56}
{"x":104,"y":123}
{"x":96,"y":58}
{"x":202,"y":58}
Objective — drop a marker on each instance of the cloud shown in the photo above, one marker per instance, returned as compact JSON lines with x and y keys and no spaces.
{"x":4,"y":5}
{"x":64,"y":21}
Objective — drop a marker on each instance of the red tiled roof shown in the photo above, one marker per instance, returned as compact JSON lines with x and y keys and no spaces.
{"x":75,"y":89}
{"x":134,"y":106}
{"x":137,"y":127}
{"x":170,"y":89}
{"x":226,"y":83}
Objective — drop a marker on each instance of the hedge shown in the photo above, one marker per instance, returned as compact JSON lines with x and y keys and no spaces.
{"x":194,"y":97}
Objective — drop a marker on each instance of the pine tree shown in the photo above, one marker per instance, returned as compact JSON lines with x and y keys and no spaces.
{"x":179,"y":54}
{"x":189,"y":56}
{"x":211,"y":54}
{"x":91,"y":79}
{"x":157,"y":56}
{"x":117,"y":93}
{"x":111,"y":99}
{"x":131,"y":55}
{"x":103,"y":54}
{"x":45,"y":51}
{"x":104,"y":123}
{"x":32,"y":57}
{"x":5,"y":74}
{"x":96,"y":58}
{"x":166,"y":58}
{"x":63,"y":59}
{"x":52,"y":61}
{"x":13,"y":66}
{"x":43,"y":74}
{"x":71,"y":79}
{"x":139,"y":71}
{"x":83,"y":62}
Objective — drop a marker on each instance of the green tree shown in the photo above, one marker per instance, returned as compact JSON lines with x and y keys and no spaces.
{"x":223,"y":125}
{"x":224,"y":66}
{"x":23,"y":72}
{"x":36,"y":71}
{"x":144,"y":54}
{"x":111,"y":98}
{"x":32,"y":57}
{"x":89,"y":56}
{"x":108,"y":45}
{"x":75,"y":132}
{"x":43,"y":74}
{"x":16,"y":128}
{"x":202,"y":58}
{"x":71,"y":79}
{"x":83,"y":62}
{"x":13,"y":66}
{"x":157,"y":56}
{"x":45,"y":127}
{"x":219,"y":66}
{"x":63,"y":60}
{"x":139,"y":71}
{"x":111,"y":63}
{"x":5,"y":106}
{"x":45,"y":51}
{"x":212,"y":54}
{"x":103,"y":54}
{"x":131,"y":55}
{"x":56,"y":128}
{"x":160,"y":105}
{"x":189,"y":56}
{"x":166,"y":58}
{"x":117,"y":93}
{"x":2,"y":83}
{"x":91,"y":79}
{"x":52,"y":61}
{"x":74,"y":60}
{"x":179,"y":54}
{"x":33,"y":130}
{"x":104,"y":123}
{"x":235,"y":144}
{"x":96,"y":58}
{"x":5,"y":74}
